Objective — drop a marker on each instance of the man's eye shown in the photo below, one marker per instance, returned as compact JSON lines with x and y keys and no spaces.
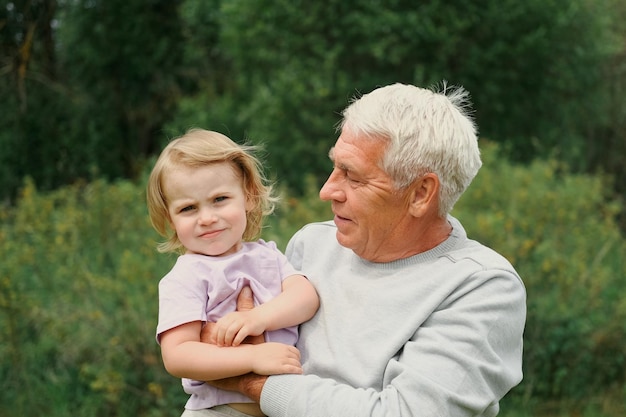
{"x":348,"y":175}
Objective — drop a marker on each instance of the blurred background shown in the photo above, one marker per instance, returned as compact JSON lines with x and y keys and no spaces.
{"x":91,"y":90}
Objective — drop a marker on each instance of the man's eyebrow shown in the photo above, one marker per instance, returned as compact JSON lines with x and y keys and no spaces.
{"x":341,"y":166}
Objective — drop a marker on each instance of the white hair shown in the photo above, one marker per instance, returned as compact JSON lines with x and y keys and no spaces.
{"x":428,"y":131}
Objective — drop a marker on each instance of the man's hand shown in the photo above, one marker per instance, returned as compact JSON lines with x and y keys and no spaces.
{"x":245,"y":302}
{"x":249,"y":385}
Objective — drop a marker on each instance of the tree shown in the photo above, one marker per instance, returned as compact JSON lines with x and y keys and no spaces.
{"x":32,"y":113}
{"x":92,"y":87}
{"x":123,"y":61}
{"x":532,"y":68}
{"x":88,"y":86}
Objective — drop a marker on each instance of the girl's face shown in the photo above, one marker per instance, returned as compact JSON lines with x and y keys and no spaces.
{"x":207,"y":207}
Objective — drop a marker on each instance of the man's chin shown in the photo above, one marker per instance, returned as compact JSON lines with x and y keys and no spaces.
{"x":343,"y":239}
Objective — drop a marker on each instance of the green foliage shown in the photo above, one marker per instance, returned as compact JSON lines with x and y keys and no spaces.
{"x":33,"y":109}
{"x":91,"y":88}
{"x":78,"y":305}
{"x":514,"y":57}
{"x":292,"y":213}
{"x":123,"y":62}
{"x":559,"y":230}
{"x":86,"y":87}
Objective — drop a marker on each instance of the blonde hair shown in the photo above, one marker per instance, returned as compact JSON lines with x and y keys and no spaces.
{"x":198,"y":148}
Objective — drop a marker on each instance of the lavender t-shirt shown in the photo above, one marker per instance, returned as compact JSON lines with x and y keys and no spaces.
{"x":205,"y":288}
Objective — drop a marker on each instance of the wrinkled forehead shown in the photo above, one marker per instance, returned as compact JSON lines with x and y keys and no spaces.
{"x":358,"y":156}
{"x":355,"y":145}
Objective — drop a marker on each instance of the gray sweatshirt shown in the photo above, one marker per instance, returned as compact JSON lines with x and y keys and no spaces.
{"x":435,"y":334}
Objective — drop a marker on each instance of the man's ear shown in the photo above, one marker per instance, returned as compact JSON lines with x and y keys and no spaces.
{"x":423,"y":197}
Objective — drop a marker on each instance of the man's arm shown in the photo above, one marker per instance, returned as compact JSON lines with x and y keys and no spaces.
{"x":460,"y":362}
{"x":249,"y":384}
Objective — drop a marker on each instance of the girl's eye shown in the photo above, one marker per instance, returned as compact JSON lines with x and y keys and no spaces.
{"x":220,"y":199}
{"x":187,"y":208}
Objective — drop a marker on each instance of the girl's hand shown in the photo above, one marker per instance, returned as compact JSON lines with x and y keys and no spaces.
{"x":245,"y":302}
{"x":276,"y":358}
{"x":234,"y":327}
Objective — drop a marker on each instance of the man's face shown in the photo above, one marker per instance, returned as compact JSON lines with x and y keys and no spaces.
{"x":370,"y":213}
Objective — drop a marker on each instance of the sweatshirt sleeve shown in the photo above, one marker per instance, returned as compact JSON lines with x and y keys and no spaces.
{"x":459,"y":362}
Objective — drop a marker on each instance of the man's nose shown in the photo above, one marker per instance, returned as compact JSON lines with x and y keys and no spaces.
{"x":331,"y":189}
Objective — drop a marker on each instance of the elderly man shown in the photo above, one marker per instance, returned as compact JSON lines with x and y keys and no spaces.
{"x":415,"y":318}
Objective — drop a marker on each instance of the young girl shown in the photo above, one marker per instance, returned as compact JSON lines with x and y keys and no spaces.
{"x":207,"y":196}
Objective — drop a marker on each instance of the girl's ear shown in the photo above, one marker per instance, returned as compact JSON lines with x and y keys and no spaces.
{"x":250,"y":204}
{"x":423,"y":195}
{"x":168,"y":218}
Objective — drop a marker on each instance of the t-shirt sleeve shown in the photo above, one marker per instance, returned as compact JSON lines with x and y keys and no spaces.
{"x":182,"y":299}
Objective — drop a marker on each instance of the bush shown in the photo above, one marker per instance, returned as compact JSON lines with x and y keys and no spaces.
{"x":78,"y":305}
{"x":293,"y":213}
{"x":559,"y":231}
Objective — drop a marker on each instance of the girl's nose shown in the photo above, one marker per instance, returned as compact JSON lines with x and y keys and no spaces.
{"x":207,"y":216}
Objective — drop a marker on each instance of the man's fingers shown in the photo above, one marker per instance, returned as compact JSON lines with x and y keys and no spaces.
{"x":208,"y":333}
{"x":245,"y":300}
{"x":254,"y":340}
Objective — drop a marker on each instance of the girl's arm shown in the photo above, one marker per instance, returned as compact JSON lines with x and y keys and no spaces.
{"x":296,"y":304}
{"x":184,"y":356}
